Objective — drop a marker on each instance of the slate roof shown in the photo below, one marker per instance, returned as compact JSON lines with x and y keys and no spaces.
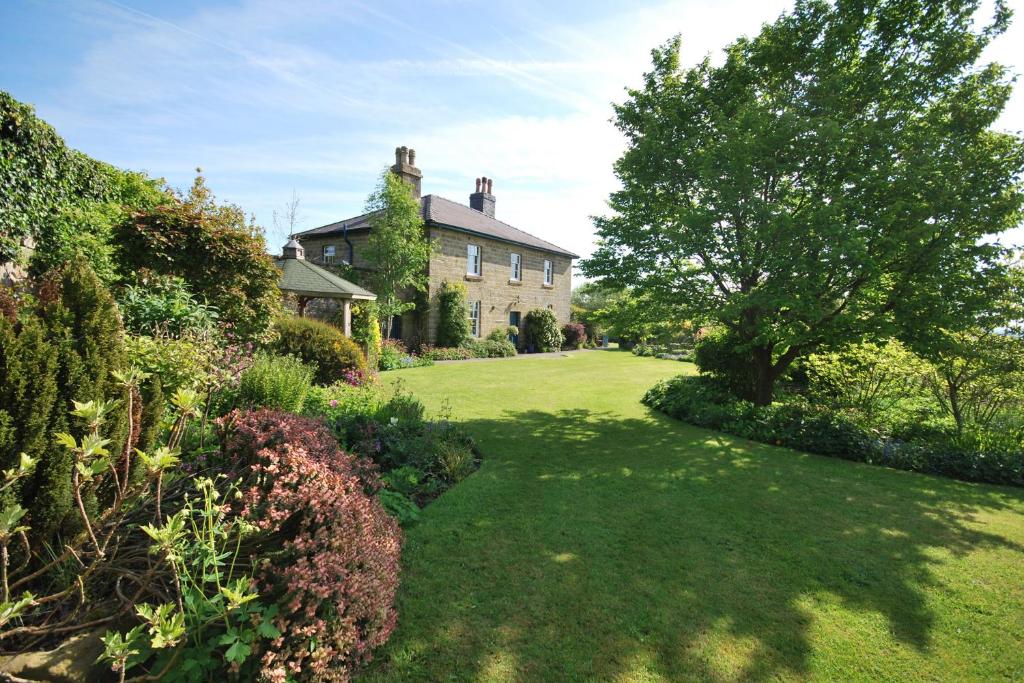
{"x":443,"y":212}
{"x":299,"y":276}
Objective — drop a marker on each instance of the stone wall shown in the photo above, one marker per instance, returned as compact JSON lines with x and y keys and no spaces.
{"x":498,"y":296}
{"x":314,"y":247}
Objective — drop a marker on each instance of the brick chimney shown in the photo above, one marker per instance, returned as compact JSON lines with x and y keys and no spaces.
{"x":405,"y":168}
{"x":483,"y":199}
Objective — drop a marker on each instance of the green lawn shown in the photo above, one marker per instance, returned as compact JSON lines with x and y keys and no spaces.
{"x":601,"y":541}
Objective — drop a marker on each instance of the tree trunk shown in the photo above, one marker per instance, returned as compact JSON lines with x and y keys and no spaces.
{"x":764,"y":382}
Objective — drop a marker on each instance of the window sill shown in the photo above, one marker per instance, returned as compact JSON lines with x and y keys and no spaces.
{"x":474,"y":278}
{"x":516,"y":283}
{"x":547,"y":286}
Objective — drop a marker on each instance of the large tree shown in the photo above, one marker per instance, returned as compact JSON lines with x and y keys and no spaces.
{"x":836,"y":177}
{"x":398,"y":249}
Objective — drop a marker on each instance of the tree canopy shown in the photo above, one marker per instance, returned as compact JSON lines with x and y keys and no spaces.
{"x":398,"y":249}
{"x":836,"y":177}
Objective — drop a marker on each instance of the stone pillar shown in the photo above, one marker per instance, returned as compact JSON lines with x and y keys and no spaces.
{"x":347,"y":316}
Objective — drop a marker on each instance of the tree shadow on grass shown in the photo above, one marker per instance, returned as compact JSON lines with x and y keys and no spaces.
{"x":592,"y":547}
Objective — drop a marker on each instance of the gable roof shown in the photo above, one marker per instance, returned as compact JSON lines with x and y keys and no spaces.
{"x":437,"y":210}
{"x":301,"y":277}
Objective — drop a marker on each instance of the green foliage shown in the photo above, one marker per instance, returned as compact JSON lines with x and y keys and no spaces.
{"x":453,"y":319}
{"x":718,"y":354}
{"x":60,"y":198}
{"x":394,"y":356}
{"x":398,"y":251}
{"x":340,"y":401}
{"x":801,"y":193}
{"x":540,"y":331}
{"x":165,"y":305}
{"x":870,"y":379}
{"x":319,"y":344}
{"x":399,"y":506}
{"x":62,"y":349}
{"x":366,"y":329}
{"x":977,"y":377}
{"x":491,"y":348}
{"x":179,"y":362}
{"x":279,"y":382}
{"x":795,"y":423}
{"x":222,"y":258}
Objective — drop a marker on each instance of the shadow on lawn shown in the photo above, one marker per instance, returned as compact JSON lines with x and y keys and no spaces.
{"x":591,"y":547}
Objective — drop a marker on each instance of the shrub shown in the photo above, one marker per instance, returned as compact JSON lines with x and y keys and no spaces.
{"x":453,"y":320}
{"x":575,"y":335}
{"x":340,"y":401}
{"x":165,"y":305}
{"x":320,"y":345}
{"x":184,"y":362}
{"x":366,"y":329}
{"x":280,"y":382}
{"x":540,"y":331}
{"x":490,"y":348}
{"x":446,"y":353}
{"x":798,"y":424}
{"x":870,"y":379}
{"x":65,"y":348}
{"x":394,"y":356}
{"x":718,"y":355}
{"x":212,"y":248}
{"x":336,"y":573}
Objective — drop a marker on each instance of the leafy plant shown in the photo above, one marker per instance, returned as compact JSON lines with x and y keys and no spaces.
{"x":540,"y":330}
{"x":221,"y":257}
{"x":165,"y":306}
{"x":280,"y":382}
{"x":574,"y":335}
{"x":452,"y":319}
{"x":320,"y":345}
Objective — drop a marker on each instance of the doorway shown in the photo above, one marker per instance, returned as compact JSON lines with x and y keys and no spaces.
{"x":514,"y":318}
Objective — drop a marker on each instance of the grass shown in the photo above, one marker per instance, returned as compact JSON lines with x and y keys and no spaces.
{"x":603,"y":542}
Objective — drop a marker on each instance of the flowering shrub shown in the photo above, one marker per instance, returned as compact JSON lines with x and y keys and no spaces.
{"x":336,"y":573}
{"x":574,"y":336}
{"x":446,"y":352}
{"x":394,"y":356}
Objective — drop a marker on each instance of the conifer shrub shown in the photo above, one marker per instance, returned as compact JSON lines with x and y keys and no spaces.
{"x":320,"y":345}
{"x":540,"y":331}
{"x":453,"y":319}
{"x":335,"y":575}
{"x":62,"y":348}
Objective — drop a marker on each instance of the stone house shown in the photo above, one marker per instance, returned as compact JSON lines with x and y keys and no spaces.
{"x":507,"y":271}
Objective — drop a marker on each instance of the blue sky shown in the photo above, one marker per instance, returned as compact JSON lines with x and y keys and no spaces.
{"x":314,"y":95}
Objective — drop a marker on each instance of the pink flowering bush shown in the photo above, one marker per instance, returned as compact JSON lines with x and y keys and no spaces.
{"x":335,"y":572}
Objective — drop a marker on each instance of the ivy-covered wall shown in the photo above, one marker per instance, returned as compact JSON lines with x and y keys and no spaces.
{"x":61,"y":200}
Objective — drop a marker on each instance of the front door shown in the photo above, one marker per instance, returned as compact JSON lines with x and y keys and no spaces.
{"x":514,"y":318}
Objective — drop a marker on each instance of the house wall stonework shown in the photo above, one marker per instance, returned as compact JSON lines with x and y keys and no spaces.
{"x":497,"y":295}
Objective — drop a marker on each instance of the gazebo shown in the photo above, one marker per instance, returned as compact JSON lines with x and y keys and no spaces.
{"x":308,"y":281}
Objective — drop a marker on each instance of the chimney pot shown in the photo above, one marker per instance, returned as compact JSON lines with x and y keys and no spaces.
{"x":412,"y":157}
{"x":490,"y":185}
{"x":482,"y":200}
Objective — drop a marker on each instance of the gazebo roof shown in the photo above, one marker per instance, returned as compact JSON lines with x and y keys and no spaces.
{"x":300,"y":277}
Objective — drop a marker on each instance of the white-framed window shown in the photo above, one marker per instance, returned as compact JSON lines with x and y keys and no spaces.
{"x":517,"y":267}
{"x":329,"y":253}
{"x":472,"y":259}
{"x":474,"y":317}
{"x":549,"y":272}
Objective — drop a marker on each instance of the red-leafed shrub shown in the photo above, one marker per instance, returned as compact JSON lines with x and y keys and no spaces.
{"x":574,"y":336}
{"x":335,"y":574}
